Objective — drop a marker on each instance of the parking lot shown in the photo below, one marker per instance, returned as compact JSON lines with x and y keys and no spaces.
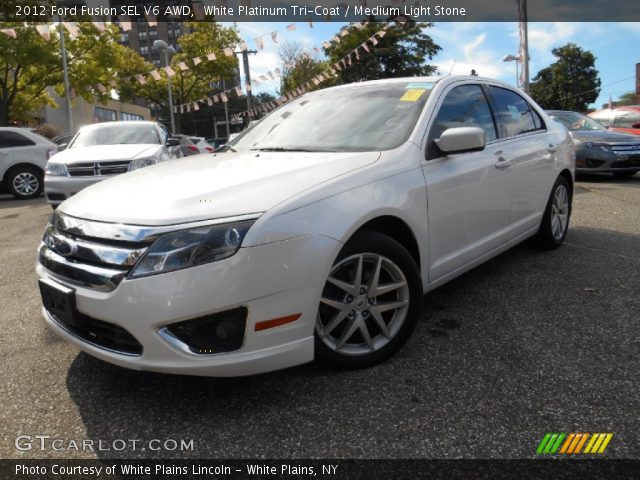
{"x":529,"y":343}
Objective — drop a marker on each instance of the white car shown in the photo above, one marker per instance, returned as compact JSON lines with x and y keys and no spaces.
{"x":316,"y":235}
{"x":101,"y":150}
{"x":23,"y":156}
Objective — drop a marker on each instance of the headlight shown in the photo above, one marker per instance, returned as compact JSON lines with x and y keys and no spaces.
{"x":602,"y":146}
{"x":56,"y":168}
{"x":142,"y":162}
{"x":188,"y":248}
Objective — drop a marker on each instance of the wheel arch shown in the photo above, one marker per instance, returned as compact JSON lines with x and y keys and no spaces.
{"x":395,"y":228}
{"x":20,"y":165}
{"x":569,"y":178}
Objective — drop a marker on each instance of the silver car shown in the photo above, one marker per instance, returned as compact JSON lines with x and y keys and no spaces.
{"x":102,"y":150}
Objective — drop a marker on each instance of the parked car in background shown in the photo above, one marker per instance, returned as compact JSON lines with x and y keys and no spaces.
{"x":216,"y":143}
{"x":202,"y":144}
{"x":23,"y":156}
{"x":315,"y":235}
{"x":620,"y":119}
{"x":599,"y":149}
{"x":62,"y":141}
{"x":102,"y":150}
{"x":186,"y":145}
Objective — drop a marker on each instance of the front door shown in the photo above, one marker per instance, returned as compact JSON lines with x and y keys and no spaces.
{"x":469,"y":195}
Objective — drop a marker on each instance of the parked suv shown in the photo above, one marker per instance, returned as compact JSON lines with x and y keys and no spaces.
{"x":620,"y":119}
{"x":23,"y":156}
{"x":315,"y":234}
{"x":599,"y":149}
{"x":102,"y":150}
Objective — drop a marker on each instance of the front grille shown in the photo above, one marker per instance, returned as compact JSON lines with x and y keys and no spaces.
{"x":626,"y":148}
{"x":102,"y":334}
{"x":92,"y":169}
{"x":96,"y":263}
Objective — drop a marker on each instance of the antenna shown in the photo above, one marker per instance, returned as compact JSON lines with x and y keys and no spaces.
{"x":454,"y":64}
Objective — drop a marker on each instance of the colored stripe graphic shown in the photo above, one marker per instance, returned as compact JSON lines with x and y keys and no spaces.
{"x":574,"y":443}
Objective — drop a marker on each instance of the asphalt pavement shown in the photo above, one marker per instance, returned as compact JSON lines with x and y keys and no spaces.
{"x":528,"y":343}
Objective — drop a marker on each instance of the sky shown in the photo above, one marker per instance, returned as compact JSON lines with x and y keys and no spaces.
{"x":481,"y":46}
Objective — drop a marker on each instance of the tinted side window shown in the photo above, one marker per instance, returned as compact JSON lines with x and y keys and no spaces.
{"x":14,"y":139}
{"x":512,"y":112}
{"x":464,"y":106}
{"x":626,"y":118}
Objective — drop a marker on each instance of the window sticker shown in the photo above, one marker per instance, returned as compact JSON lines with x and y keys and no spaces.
{"x":515,"y":113}
{"x":411,"y":95}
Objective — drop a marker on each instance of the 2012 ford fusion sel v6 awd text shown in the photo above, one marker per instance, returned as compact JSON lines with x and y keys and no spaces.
{"x":314,"y":235}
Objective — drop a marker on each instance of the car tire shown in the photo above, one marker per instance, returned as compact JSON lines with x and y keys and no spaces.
{"x":24,"y":182}
{"x":624,"y":174}
{"x":363,"y":321}
{"x":555,"y":221}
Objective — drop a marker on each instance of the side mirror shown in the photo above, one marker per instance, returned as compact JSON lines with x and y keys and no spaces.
{"x":461,"y":139}
{"x":172,"y":142}
{"x":62,"y":146}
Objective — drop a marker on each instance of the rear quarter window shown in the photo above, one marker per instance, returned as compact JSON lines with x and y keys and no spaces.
{"x":14,"y":139}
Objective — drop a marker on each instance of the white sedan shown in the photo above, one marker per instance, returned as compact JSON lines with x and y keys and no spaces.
{"x":314,"y":236}
{"x":102,"y":150}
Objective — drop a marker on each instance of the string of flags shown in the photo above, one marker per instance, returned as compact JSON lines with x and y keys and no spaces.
{"x":342,"y":64}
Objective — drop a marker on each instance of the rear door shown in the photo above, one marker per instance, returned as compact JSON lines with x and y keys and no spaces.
{"x":523,"y":132}
{"x":469,"y":194}
{"x":6,"y":153}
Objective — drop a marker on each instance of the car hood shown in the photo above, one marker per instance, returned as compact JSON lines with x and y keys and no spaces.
{"x":98,"y":153}
{"x":209,"y":186}
{"x":604,"y":137}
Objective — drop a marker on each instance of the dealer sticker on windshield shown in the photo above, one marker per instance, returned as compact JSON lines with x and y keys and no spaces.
{"x":411,"y":95}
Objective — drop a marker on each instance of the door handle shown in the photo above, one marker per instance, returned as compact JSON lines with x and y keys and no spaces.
{"x":503,"y":163}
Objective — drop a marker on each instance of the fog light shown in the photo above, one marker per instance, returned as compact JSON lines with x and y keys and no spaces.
{"x":218,"y":333}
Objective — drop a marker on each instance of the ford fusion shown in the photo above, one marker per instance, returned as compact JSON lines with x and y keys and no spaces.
{"x":599,"y":149}
{"x":314,"y":235}
{"x":102,"y":150}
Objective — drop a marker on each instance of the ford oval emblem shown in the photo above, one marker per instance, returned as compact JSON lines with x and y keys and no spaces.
{"x":64,"y":247}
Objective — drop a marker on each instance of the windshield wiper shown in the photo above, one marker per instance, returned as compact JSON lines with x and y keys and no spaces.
{"x":285,"y":149}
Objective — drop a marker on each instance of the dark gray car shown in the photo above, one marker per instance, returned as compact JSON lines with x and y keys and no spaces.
{"x":599,"y":149}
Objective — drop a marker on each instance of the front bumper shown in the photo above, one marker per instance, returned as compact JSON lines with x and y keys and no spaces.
{"x":594,"y":160}
{"x":271,"y":281}
{"x":57,"y":189}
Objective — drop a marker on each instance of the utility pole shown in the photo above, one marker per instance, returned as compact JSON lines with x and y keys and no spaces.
{"x":226,"y":109}
{"x":524,"y":43}
{"x":65,"y":71}
{"x":247,"y":76}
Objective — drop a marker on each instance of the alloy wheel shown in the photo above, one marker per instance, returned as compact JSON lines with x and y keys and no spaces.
{"x":559,"y":212}
{"x":25,"y":183}
{"x":364,"y":304}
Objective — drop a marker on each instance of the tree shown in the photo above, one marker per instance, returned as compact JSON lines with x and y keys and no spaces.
{"x":29,"y":64}
{"x":402,"y":52}
{"x":629,"y":98}
{"x":199,"y":81}
{"x":571,"y":83}
{"x":298,"y":67}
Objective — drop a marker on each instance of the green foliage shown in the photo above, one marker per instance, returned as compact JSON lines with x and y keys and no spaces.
{"x":298,"y":68}
{"x":629,"y":98}
{"x":402,"y":52}
{"x":571,"y":83}
{"x":29,"y":64}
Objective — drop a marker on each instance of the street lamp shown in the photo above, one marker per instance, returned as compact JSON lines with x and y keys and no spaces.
{"x":162,"y":47}
{"x":513,"y":58}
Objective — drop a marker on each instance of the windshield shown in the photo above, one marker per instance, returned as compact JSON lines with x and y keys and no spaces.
{"x":354,"y":119}
{"x":577,"y":122}
{"x":114,"y":134}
